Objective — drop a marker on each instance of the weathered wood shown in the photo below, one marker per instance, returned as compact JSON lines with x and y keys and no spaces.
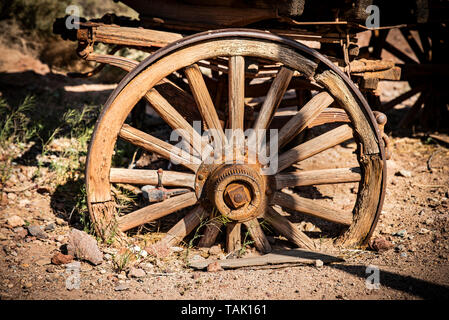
{"x":211,"y":231}
{"x":204,"y":103}
{"x":150,"y":177}
{"x":311,"y":207}
{"x":293,"y":256}
{"x":164,"y":149}
{"x":236,"y":92}
{"x":364,"y":218}
{"x":288,"y":229}
{"x":174,"y":119}
{"x":273,"y":98}
{"x":330,"y":115}
{"x":316,"y":145}
{"x":261,"y":89}
{"x":316,"y":177}
{"x":304,"y":117}
{"x":256,"y":233}
{"x":184,"y":226}
{"x":233,"y":236}
{"x":363,"y":128}
{"x":156,"y":211}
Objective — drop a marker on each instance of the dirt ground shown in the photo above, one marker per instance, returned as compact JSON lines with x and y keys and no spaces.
{"x":415,"y":219}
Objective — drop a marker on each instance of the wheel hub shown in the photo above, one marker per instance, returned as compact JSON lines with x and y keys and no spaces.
{"x":236,"y":190}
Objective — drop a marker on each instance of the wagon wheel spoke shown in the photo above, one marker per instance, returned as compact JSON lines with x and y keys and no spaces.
{"x":236,"y":92}
{"x":282,"y":225}
{"x":156,"y":211}
{"x":204,"y":103}
{"x":398,"y":53}
{"x":310,"y":207}
{"x":164,"y":149}
{"x":273,"y":98}
{"x":316,"y":177}
{"x":174,"y":119}
{"x":150,"y":177}
{"x":233,"y":236}
{"x":184,"y":226}
{"x":210,"y":233}
{"x":259,"y":238}
{"x":313,"y":146}
{"x":413,"y":44}
{"x":305,"y":116}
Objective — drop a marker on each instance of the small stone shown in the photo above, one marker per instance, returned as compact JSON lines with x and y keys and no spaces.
{"x":27,"y":285}
{"x":122,"y":276}
{"x":143,"y":253}
{"x":403,"y":173}
{"x":60,"y":238}
{"x":399,"y":248}
{"x":59,"y":258}
{"x":43,"y":261}
{"x":50,"y":269}
{"x":24,"y":203}
{"x":380,"y":244}
{"x":27,"y":194}
{"x":308,"y":226}
{"x":197,"y":257}
{"x":318,"y":263}
{"x":12,"y":196}
{"x":429,"y":221}
{"x":122,"y":287}
{"x":423,"y":231}
{"x":215,"y":250}
{"x":37,"y":232}
{"x":15,"y":221}
{"x":214,"y":267}
{"x":102,"y":271}
{"x":136,"y":273}
{"x":20,"y":233}
{"x":403,"y":255}
{"x":158,"y":250}
{"x":60,"y":222}
{"x":176,"y":249}
{"x":84,"y":247}
{"x":400,"y":233}
{"x":148,"y":266}
{"x":50,"y":227}
{"x":107,"y":256}
{"x":222,"y":256}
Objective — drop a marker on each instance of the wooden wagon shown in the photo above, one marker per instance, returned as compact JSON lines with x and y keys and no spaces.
{"x":205,"y":68}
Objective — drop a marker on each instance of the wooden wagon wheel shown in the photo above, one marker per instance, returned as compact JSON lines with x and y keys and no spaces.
{"x":424,"y":66}
{"x":234,"y":188}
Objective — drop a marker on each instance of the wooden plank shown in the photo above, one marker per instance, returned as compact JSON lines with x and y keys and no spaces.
{"x":288,"y":229}
{"x":311,"y":207}
{"x":211,"y":232}
{"x":316,"y":145}
{"x":156,"y":211}
{"x":164,"y":149}
{"x":184,"y":227}
{"x":294,"y":256}
{"x":316,"y":177}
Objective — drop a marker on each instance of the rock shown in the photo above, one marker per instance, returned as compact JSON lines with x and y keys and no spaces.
{"x":214,"y":267}
{"x":403,"y":173}
{"x":158,"y":250}
{"x":60,"y":238}
{"x":424,"y":231}
{"x":308,"y":226}
{"x":60,"y":222}
{"x":12,"y":196}
{"x":59,"y":258}
{"x":107,"y":256}
{"x":15,"y":221}
{"x":102,"y":271}
{"x":215,"y":250}
{"x":20,"y":233}
{"x":222,"y":256}
{"x":84,"y":247}
{"x":148,"y":267}
{"x":122,"y":275}
{"x":50,"y":227}
{"x":429,"y":221}
{"x":176,"y":249}
{"x":136,"y":273}
{"x":37,"y":232}
{"x":122,"y":287}
{"x":318,"y":263}
{"x":400,"y":233}
{"x":403,"y":254}
{"x":400,"y":248}
{"x":380,"y":244}
{"x":197,"y":257}
{"x":51,"y":269}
